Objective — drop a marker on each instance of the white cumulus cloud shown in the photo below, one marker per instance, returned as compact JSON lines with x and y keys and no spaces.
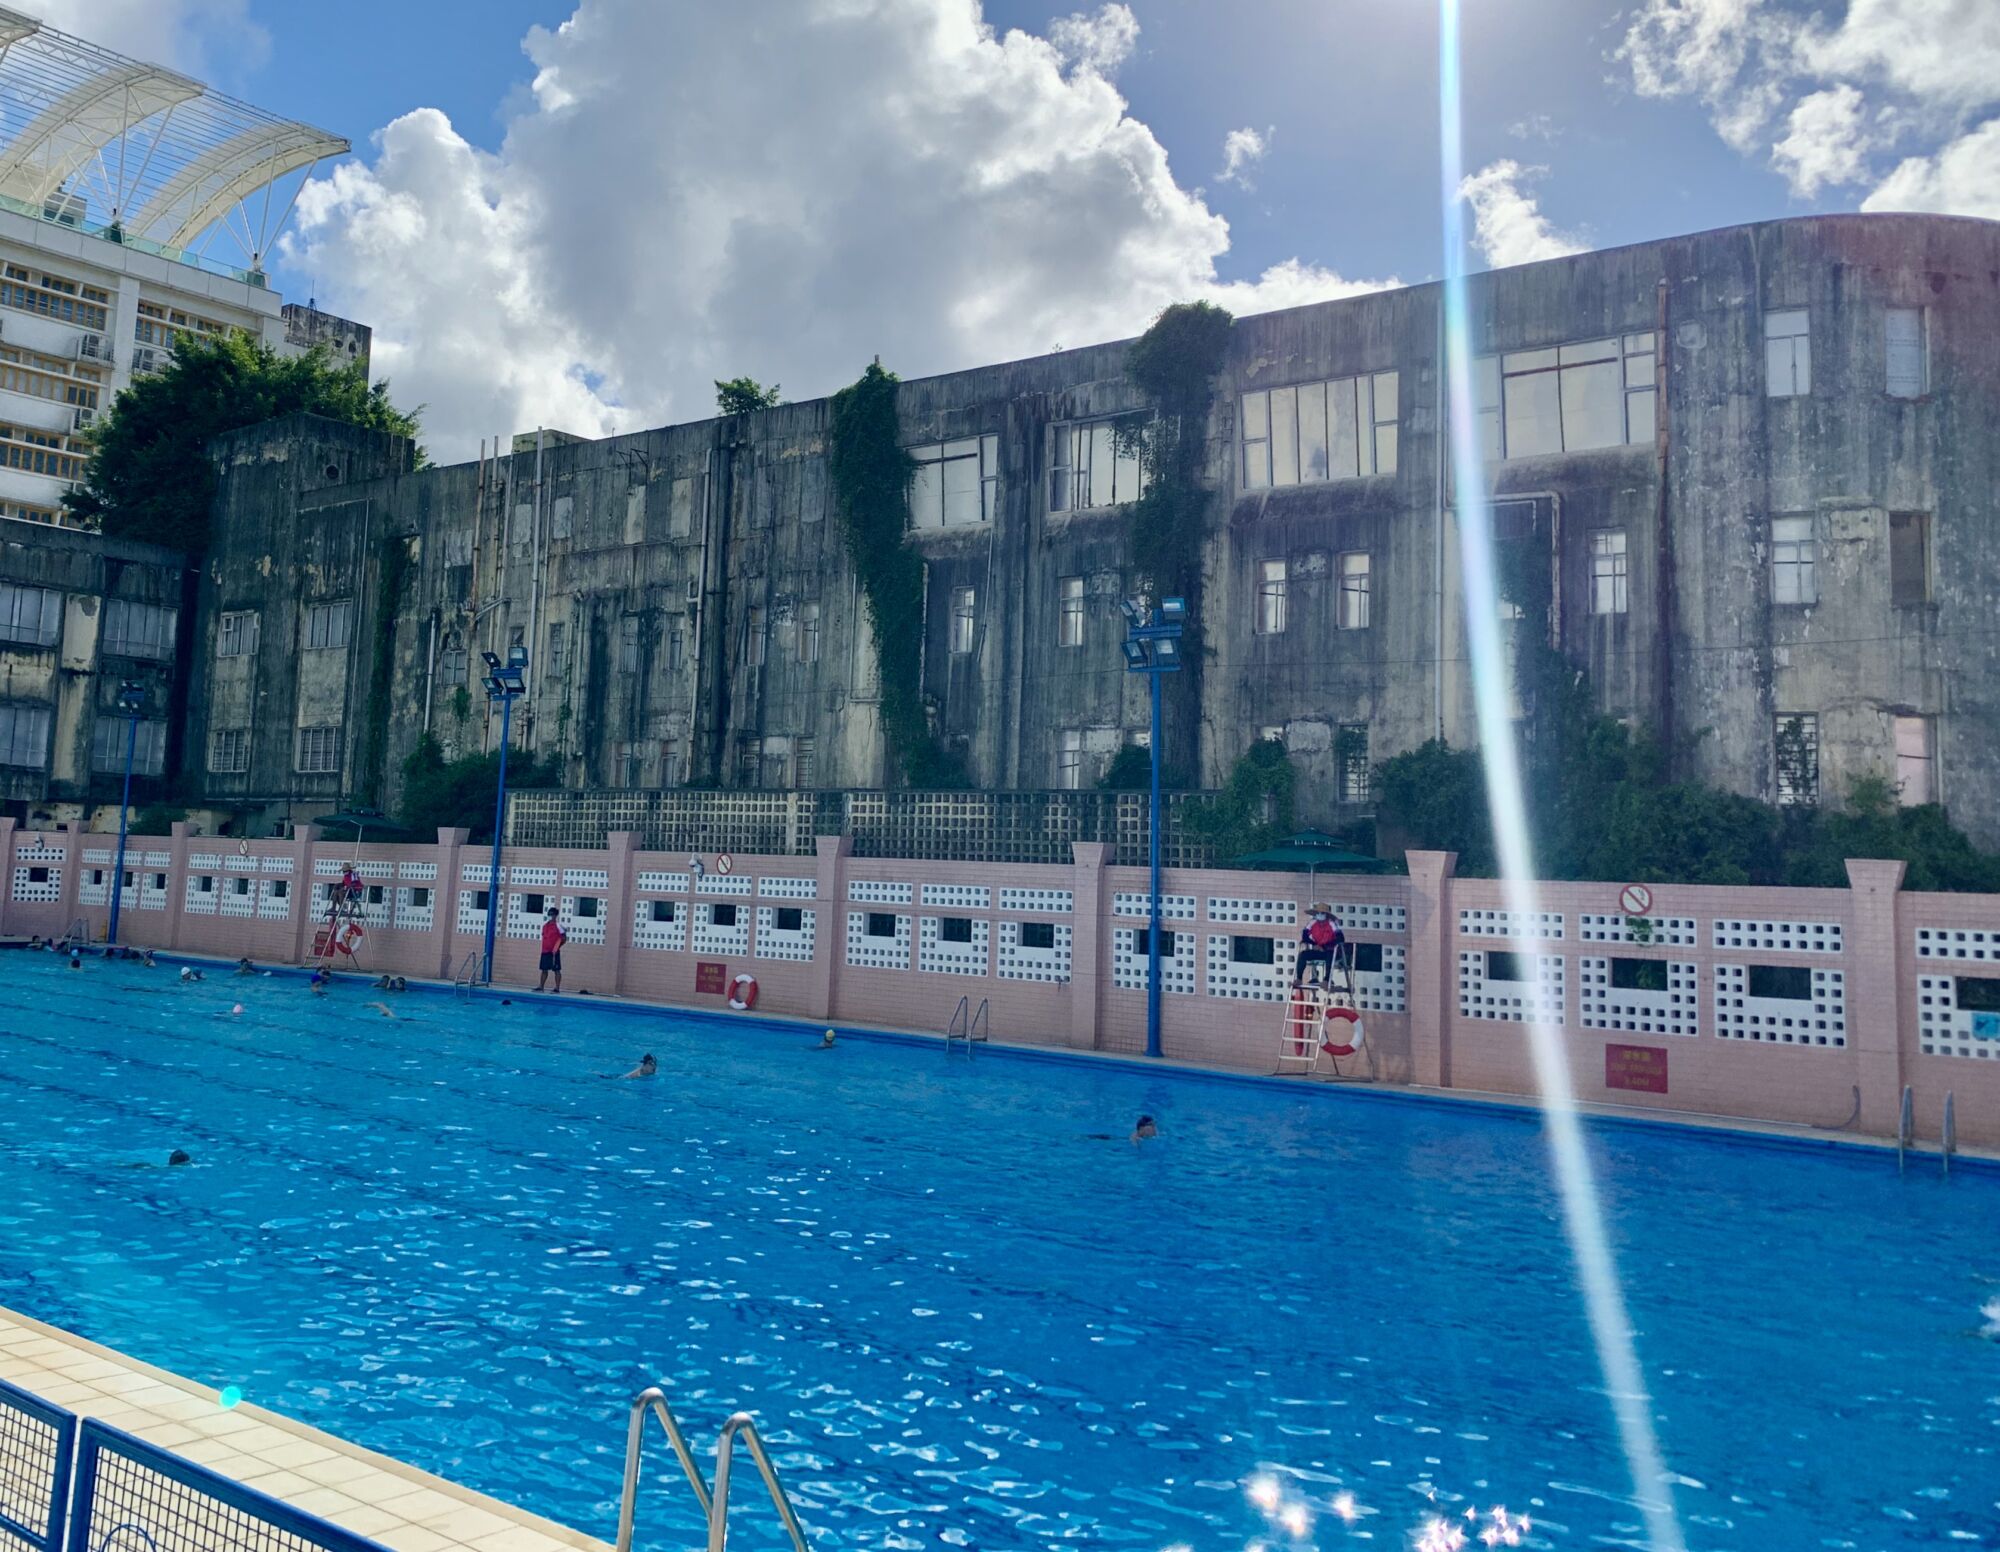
{"x":1962,"y":179}
{"x":1242,"y":149}
{"x":197,"y":37}
{"x":1826,"y":141}
{"x":692,"y":193}
{"x":1508,"y":226}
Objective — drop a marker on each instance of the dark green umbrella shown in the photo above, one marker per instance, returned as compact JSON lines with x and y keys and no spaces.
{"x":1308,"y":851}
{"x":361,"y":823}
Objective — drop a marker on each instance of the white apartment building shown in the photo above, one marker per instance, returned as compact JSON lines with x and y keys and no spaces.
{"x":136,"y":207}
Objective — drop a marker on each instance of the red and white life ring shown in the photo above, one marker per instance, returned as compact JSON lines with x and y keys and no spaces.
{"x":349,"y":938}
{"x":1353,"y":1019}
{"x":743,"y":993}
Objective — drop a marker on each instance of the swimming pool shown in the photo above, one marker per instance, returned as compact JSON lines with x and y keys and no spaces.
{"x":960,"y":1316}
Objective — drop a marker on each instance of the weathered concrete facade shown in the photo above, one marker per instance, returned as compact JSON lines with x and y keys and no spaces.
{"x":80,"y":615}
{"x":1714,"y":436}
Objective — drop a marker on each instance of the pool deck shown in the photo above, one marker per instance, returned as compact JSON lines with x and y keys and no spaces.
{"x":372,"y":1495}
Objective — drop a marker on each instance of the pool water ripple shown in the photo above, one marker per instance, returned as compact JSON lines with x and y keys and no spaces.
{"x":961,"y":1315}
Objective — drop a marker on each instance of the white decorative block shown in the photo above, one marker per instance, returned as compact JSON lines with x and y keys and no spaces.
{"x":649,"y":932}
{"x":1967,"y":943}
{"x":198,"y":895}
{"x":875,"y":891}
{"x":478,"y":873}
{"x":1248,"y":981}
{"x":156,"y":860}
{"x":520,"y":922}
{"x":417,"y":872}
{"x":593,"y":880}
{"x":1034,"y":964}
{"x":723,"y":884}
{"x":581,"y":928}
{"x":237,"y":896}
{"x":274,"y":899}
{"x":663,"y":883}
{"x":775,"y":942}
{"x":1540,"y":999}
{"x":1386,"y":990}
{"x":1370,"y":916}
{"x":1820,"y":1019}
{"x":1794,"y":937}
{"x":412,"y":917}
{"x":38,"y":885}
{"x":1659,"y":931}
{"x":284,"y":865}
{"x":1039,"y":902}
{"x":239,"y":864}
{"x":1510,"y":924}
{"x":1946,"y":1029}
{"x":711,"y":937}
{"x":532,"y":878}
{"x":1260,"y":913}
{"x":151,"y":893}
{"x":867,"y":953}
{"x":968,"y":897}
{"x":102,"y":854}
{"x":938,"y":957}
{"x":1635,"y":1010}
{"x":1129,"y":960}
{"x":205,"y":862}
{"x":1137,"y":903}
{"x":471,"y":919}
{"x":788,"y":888}
{"x":94,"y":887}
{"x":329,"y":867}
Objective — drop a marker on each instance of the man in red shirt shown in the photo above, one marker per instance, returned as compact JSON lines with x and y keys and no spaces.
{"x":553,"y":938}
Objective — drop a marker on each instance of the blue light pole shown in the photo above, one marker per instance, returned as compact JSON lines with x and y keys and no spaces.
{"x":131,"y":701}
{"x":504,"y":681}
{"x":1153,"y":648}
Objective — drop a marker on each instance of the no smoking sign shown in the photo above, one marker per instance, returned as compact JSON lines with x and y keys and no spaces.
{"x":1635,"y":900}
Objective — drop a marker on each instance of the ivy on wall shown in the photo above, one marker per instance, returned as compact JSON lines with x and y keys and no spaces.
{"x":371,"y":770}
{"x":1174,"y":365}
{"x":871,"y":478}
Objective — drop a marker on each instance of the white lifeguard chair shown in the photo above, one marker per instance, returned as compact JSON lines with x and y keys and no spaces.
{"x":1322,"y":1027}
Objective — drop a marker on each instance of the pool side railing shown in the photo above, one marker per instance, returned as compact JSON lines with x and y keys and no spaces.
{"x":37,"y":1444}
{"x":714,"y":1503}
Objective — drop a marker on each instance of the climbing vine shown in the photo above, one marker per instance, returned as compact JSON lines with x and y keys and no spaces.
{"x":1174,"y":365}
{"x":372,"y":768}
{"x":871,"y":478}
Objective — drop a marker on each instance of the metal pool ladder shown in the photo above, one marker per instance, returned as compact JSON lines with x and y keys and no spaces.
{"x":468,"y":974}
{"x":1905,"y":1126}
{"x":967,"y":1025}
{"x":715,"y":1503}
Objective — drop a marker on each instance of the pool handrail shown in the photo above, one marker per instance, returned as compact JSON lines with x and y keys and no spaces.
{"x":1949,"y":1142}
{"x":1906,"y":1130}
{"x":714,"y":1505}
{"x":61,"y":1426}
{"x":967,"y":1025}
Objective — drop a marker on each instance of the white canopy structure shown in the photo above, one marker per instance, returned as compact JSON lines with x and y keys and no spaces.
{"x":137,"y":153}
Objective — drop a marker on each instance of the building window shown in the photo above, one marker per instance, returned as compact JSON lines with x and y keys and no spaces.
{"x":1566,"y":398}
{"x":1797,"y":740}
{"x":108,"y":737}
{"x":956,"y":484}
{"x":138,"y":630}
{"x":1069,"y":619}
{"x":662,"y":910}
{"x":808,"y":633}
{"x":1271,"y":598}
{"x":1916,"y":761}
{"x":1313,"y":432}
{"x":1793,"y":553}
{"x":1909,"y":558}
{"x":754,"y":647}
{"x":628,"y":644}
{"x":1907,"y":364}
{"x":1608,"y":594}
{"x":955,"y":929}
{"x":326,"y":626}
{"x":881,"y":924}
{"x":1245,"y":950}
{"x":746,"y":762}
{"x":558,"y":654}
{"x":1069,"y":760}
{"x":805,"y":765}
{"x":236,"y":634}
{"x":964,"y":620}
{"x":452,"y":659}
{"x":1038,"y":934}
{"x":789,"y":918}
{"x":319,"y":750}
{"x":1354,"y":611}
{"x":674,"y":650}
{"x":30,"y":614}
{"x":1787,"y":354}
{"x":1357,"y":775}
{"x":771,"y":776}
{"x":670,"y":762}
{"x":24,"y":736}
{"x":229,"y":750}
{"x":1088,"y":468}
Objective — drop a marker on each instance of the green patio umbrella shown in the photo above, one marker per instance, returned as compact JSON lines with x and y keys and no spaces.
{"x":1309,"y":851}
{"x":360,"y":823}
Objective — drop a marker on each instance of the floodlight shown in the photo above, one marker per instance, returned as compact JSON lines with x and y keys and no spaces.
{"x":517,"y":657}
{"x":1173,"y":610}
{"x":494,"y":687}
{"x":1168,"y":650}
{"x":1135,"y":609}
{"x":131,"y":696}
{"x":1135,"y":654}
{"x":491,"y":659}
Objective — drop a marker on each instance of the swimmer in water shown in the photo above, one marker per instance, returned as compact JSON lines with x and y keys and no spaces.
{"x":244,"y":967}
{"x":825,"y":1042}
{"x":189,"y":973}
{"x":382,"y":1008}
{"x":1143,"y":1128}
{"x":319,"y":980}
{"x":75,"y":960}
{"x":146,"y":959}
{"x":646,"y":1068}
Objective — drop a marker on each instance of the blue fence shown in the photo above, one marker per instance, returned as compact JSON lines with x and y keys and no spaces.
{"x":78,"y":1485}
{"x":37,"y":1442}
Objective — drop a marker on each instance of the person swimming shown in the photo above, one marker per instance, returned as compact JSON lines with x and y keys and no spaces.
{"x":646,"y":1068}
{"x":244,"y":967}
{"x":189,"y":973}
{"x":179,"y":1156}
{"x":1143,"y":1128}
{"x":319,"y":979}
{"x":825,"y":1042}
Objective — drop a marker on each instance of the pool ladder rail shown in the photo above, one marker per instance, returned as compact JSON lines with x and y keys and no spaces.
{"x":1906,"y":1130}
{"x":714,"y":1502}
{"x":967,"y":1025}
{"x":467,"y":976}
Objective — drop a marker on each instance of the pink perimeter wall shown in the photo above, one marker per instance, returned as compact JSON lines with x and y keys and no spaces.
{"x":1807,"y":1006}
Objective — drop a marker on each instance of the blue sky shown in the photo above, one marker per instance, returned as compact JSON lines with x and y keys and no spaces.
{"x":581,"y":226}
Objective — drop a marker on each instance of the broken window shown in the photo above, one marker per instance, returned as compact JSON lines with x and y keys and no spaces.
{"x":881,"y":924}
{"x":964,"y":620}
{"x":789,"y":918}
{"x":1916,"y":761}
{"x":674,"y":649}
{"x":1354,"y":591}
{"x":1089,"y":468}
{"x":956,"y":484}
{"x":1787,"y":354}
{"x":1505,"y":965}
{"x":1906,"y":367}
{"x":1309,"y":433}
{"x":1142,"y":942}
{"x":1271,"y":598}
{"x":1793,"y":553}
{"x":1796,"y":736}
{"x":1909,"y":558}
{"x":1608,"y":593}
{"x":722,"y":916}
{"x":452,"y":659}
{"x":30,"y":614}
{"x":1566,"y":398}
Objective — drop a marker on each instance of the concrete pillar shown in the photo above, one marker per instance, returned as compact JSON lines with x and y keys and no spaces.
{"x":1089,"y":946}
{"x":303,"y":838}
{"x":1875,"y":950}
{"x":1431,"y":971}
{"x":619,"y":845}
{"x":177,"y":874}
{"x":72,"y":877}
{"x":444,"y":899}
{"x":830,"y":936}
{"x":7,"y":832}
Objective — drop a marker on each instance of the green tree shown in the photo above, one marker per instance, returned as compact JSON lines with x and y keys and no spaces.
{"x":1130,"y":770}
{"x":740,"y":395}
{"x":1253,"y":811}
{"x":458,"y":794}
{"x":149,"y":476}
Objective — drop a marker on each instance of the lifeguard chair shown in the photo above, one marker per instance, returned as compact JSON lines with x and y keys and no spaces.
{"x":341,"y":935}
{"x":1322,"y":1025}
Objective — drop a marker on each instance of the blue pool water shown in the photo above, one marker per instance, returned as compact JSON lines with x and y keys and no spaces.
{"x":960,"y":1317}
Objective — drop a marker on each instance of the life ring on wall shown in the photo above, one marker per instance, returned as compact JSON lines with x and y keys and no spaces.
{"x":351,"y":936}
{"x":743,"y":993}
{"x":1332,"y":1045}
